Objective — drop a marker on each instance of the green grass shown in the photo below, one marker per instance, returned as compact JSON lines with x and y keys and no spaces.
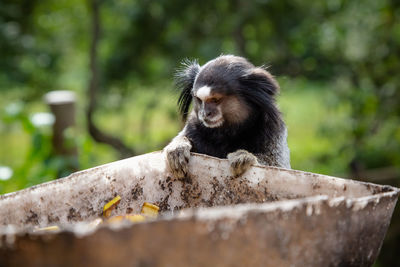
{"x":307,"y":109}
{"x":146,"y":119}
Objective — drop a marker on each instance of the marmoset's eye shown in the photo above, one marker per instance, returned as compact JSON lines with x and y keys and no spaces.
{"x":215,"y":100}
{"x":197,"y":99}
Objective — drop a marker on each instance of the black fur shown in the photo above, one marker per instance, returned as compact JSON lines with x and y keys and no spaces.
{"x":219,"y":142}
{"x":184,"y":80}
{"x":259,"y":134}
{"x":259,"y":93}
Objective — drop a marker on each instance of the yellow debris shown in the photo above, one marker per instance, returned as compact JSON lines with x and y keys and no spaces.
{"x":135,"y":218}
{"x":115,"y":219}
{"x":150,"y":210}
{"x":130,"y":217}
{"x":108,"y":208}
{"x":47,"y":229}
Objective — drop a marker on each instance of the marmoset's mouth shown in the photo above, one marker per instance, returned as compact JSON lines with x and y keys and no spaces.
{"x":213,"y":123}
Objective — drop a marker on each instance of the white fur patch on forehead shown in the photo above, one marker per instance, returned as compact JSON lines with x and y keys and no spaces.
{"x":204,"y":92}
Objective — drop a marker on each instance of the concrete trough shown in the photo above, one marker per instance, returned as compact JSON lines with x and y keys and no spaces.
{"x":268,"y":217}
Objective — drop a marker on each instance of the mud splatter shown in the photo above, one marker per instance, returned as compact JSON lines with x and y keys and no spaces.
{"x":73,"y":215}
{"x":136,"y":192}
{"x":32,"y":218}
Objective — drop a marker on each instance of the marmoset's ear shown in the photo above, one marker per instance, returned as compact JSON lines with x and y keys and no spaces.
{"x":260,"y":80}
{"x":185,"y":77}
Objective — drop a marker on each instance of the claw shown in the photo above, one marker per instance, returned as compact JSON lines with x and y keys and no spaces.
{"x":240,"y":161}
{"x":178,"y":159}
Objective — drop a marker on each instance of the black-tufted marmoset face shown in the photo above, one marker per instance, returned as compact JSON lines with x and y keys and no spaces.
{"x":214,"y":107}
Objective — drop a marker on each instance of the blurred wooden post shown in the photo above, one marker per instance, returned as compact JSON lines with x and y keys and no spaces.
{"x":62,"y":105}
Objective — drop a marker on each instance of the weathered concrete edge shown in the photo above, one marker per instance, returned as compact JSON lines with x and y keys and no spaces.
{"x":385,"y":188}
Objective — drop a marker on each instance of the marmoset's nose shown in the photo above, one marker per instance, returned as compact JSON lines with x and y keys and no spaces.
{"x":209,"y":111}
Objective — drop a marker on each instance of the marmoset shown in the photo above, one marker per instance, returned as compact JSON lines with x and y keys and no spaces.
{"x":234,"y":116}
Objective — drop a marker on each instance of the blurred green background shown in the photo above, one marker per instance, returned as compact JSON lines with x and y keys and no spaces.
{"x":337,"y":62}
